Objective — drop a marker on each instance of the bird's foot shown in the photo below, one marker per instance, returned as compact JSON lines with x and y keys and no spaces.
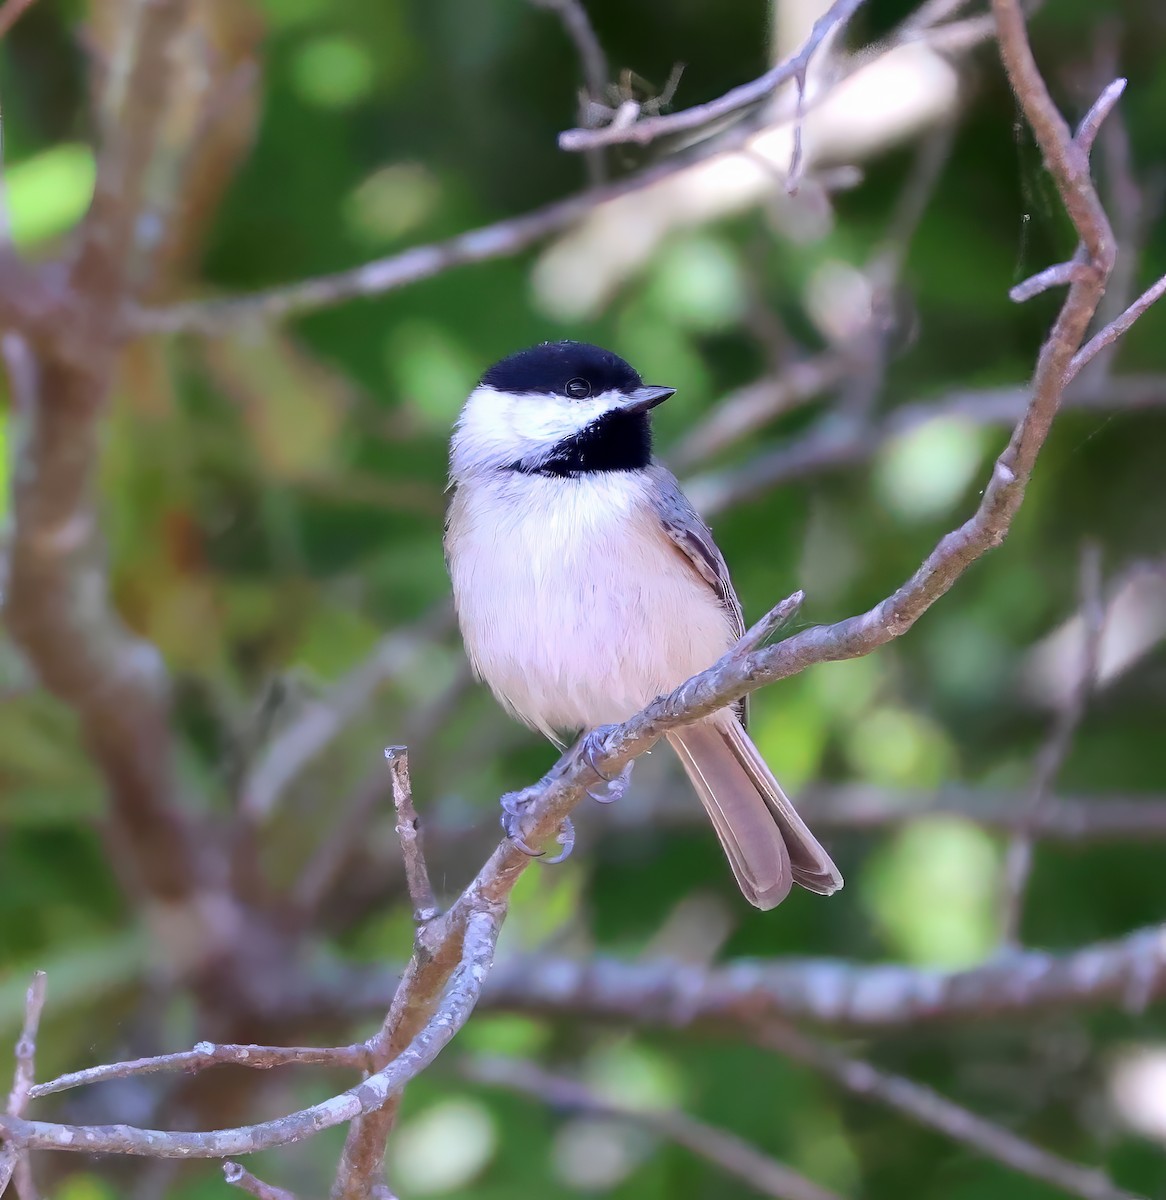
{"x":611,"y":790}
{"x":514,"y":808}
{"x":611,"y":787}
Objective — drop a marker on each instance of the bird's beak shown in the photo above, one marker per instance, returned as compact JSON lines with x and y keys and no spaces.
{"x":644,"y":398}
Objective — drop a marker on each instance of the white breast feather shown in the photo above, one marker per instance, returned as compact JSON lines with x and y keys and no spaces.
{"x":575,"y":607}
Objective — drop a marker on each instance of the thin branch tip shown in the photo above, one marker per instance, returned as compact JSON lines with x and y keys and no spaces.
{"x":1093,"y":120}
{"x":425,"y":907}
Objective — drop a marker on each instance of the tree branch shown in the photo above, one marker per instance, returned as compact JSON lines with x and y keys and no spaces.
{"x":25,"y":1073}
{"x":838,"y":994}
{"x":203,"y":1056}
{"x":408,"y":831}
{"x":732,"y":1154}
{"x":929,"y":1108}
{"x":1118,"y":326}
{"x":465,"y":984}
{"x":648,"y":129}
{"x":238,"y":1176}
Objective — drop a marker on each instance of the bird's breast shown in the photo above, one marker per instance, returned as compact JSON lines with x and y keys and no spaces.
{"x":575,"y":606}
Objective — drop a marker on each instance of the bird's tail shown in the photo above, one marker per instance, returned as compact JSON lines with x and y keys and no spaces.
{"x":768,"y":845}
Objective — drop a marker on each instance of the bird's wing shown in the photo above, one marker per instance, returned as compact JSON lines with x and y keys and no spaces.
{"x":693,"y":538}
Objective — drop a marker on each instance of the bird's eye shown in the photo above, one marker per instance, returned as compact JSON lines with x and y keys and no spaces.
{"x":578,"y":389}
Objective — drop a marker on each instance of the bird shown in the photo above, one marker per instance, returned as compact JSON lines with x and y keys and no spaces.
{"x":586,"y":585}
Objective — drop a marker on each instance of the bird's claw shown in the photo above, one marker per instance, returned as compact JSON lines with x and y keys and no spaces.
{"x":566,"y":838}
{"x":593,"y":745}
{"x":611,"y":790}
{"x":611,"y":787}
{"x":514,"y":806}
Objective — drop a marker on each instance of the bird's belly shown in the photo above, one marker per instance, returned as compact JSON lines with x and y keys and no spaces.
{"x":580,"y":622}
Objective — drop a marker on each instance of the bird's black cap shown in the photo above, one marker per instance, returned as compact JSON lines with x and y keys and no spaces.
{"x":549,"y":367}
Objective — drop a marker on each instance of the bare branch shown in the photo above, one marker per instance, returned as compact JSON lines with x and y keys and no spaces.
{"x":503,"y":239}
{"x":1018,"y":858}
{"x":481,"y":933}
{"x":839,"y":994}
{"x":1051,"y":277}
{"x":408,"y":831}
{"x":650,"y":128}
{"x":1093,"y":120}
{"x":1117,"y":327}
{"x":238,"y":1176}
{"x":25,"y":1073}
{"x":732,"y":1154}
{"x":205,"y":1055}
{"x":935,"y":1111}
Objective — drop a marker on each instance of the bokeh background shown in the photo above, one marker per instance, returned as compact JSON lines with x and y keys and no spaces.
{"x":272,"y":503}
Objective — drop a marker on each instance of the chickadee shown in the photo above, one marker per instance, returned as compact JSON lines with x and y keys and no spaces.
{"x":586,"y":585}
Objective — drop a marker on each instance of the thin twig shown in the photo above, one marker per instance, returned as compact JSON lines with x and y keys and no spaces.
{"x":25,"y":1073}
{"x":1093,"y":120}
{"x":408,"y":831}
{"x":732,"y":1154}
{"x":1117,"y":327}
{"x":593,"y":61}
{"x":238,"y":1176}
{"x":1019,"y":854}
{"x":205,"y":1055}
{"x":649,"y":129}
{"x":935,"y":1111}
{"x":781,"y":614}
{"x":1132,"y":207}
{"x":579,"y":29}
{"x":1060,"y":275}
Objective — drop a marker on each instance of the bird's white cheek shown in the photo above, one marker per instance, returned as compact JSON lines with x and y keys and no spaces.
{"x":546,"y":422}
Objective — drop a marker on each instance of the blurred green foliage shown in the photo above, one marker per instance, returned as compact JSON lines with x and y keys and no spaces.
{"x":273,"y":504}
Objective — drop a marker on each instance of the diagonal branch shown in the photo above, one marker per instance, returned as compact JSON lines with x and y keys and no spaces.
{"x":732,"y":1154}
{"x":502,"y":239}
{"x":935,"y":1111}
{"x":238,"y":1176}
